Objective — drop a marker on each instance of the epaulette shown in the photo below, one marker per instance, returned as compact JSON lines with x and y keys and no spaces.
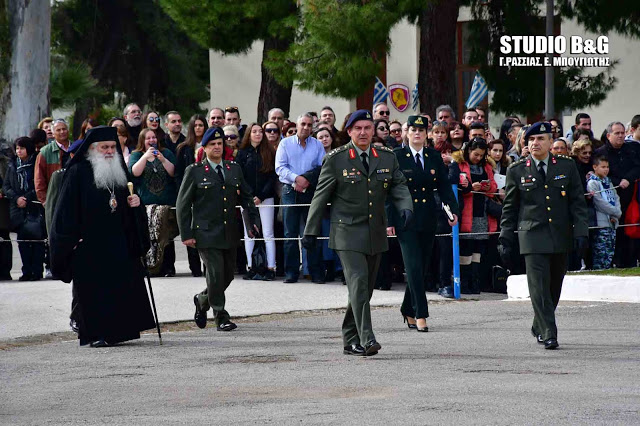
{"x":198,"y":163}
{"x":384,"y":148}
{"x":566,"y":157}
{"x":520,"y":161}
{"x":337,"y":150}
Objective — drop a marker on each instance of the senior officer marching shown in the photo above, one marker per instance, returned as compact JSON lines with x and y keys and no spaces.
{"x":545,"y":203}
{"x":425,"y":172}
{"x":206,"y":211}
{"x":356,"y":179}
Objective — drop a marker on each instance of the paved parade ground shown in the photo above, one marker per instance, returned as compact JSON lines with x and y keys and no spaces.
{"x":477,"y":365}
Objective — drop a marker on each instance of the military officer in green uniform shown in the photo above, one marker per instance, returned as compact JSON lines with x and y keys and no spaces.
{"x":357,"y":179}
{"x":425,"y":172}
{"x":544,"y":202}
{"x":206,"y":212}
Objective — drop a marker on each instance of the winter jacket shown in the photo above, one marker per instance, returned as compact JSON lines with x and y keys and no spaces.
{"x":467,"y":211}
{"x":19,"y":183}
{"x":262,"y":184}
{"x":604,"y":210}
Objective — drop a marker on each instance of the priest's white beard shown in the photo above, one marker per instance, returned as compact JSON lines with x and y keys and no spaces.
{"x":134,"y":122}
{"x":107,"y":172}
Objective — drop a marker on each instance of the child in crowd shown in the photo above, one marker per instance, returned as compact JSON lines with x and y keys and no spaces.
{"x":606,"y":204}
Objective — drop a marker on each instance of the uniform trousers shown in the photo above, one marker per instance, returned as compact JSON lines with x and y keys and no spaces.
{"x":220,"y":265}
{"x":417,"y":247}
{"x":360,"y":272}
{"x":545,"y":273}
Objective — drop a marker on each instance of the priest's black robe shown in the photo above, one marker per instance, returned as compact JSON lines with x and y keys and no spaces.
{"x":105,"y":266}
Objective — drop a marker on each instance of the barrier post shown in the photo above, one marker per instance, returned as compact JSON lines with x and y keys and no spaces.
{"x":455,"y":234}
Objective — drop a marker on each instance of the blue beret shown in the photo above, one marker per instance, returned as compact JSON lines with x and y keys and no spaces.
{"x":538,"y":128}
{"x":417,"y":121}
{"x":211,"y":134}
{"x":361,"y":114}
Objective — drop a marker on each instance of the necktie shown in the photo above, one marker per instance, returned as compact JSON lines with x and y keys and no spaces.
{"x":219,"y":170}
{"x":541,"y":171}
{"x":365,"y":163}
{"x":418,"y":161}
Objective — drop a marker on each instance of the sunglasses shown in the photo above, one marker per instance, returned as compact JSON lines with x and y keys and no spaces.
{"x":382,"y":128}
{"x":231,"y":109}
{"x":291,"y":131}
{"x":384,"y":112}
{"x":271,"y":130}
{"x":396,"y":131}
{"x":232,"y":137}
{"x":152,"y":119}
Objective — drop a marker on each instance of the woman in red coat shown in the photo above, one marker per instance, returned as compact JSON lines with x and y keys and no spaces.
{"x":477,"y":184}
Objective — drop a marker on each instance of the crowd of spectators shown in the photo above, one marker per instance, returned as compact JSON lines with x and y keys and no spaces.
{"x":281,"y":160}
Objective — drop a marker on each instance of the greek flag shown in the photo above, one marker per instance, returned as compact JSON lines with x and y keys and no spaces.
{"x":478,"y":91}
{"x":379,"y":92}
{"x":414,"y":94}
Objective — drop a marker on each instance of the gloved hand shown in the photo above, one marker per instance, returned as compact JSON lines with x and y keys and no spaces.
{"x":309,"y":241}
{"x":505,"y":248}
{"x":407,"y":217}
{"x":580,"y":246}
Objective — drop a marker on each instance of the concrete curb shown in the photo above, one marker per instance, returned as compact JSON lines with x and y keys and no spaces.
{"x":585,"y":288}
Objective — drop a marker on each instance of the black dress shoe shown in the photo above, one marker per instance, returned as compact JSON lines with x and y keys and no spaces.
{"x":551,"y":343}
{"x":170,"y":273}
{"x":227,"y":326}
{"x":200,"y":317}
{"x":537,"y":336}
{"x":372,"y":347}
{"x":196,"y":273}
{"x":447,"y":292}
{"x":290,"y":280}
{"x":74,"y":326}
{"x":100,"y":344}
{"x":355,"y":350}
{"x":318,"y":281}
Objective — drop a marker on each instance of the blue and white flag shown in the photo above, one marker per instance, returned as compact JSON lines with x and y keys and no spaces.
{"x":478,"y":91}
{"x":414,"y":95}
{"x":379,"y":92}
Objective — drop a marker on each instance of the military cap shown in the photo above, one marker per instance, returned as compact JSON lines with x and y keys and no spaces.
{"x":361,"y":114}
{"x":211,"y":134}
{"x":538,"y":128}
{"x":417,"y":121}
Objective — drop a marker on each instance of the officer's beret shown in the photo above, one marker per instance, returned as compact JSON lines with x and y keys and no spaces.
{"x":361,"y":114}
{"x":211,"y":134}
{"x":417,"y":121}
{"x":539,"y":128}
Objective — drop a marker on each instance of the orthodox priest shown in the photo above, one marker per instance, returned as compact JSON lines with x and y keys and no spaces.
{"x":95,"y":243}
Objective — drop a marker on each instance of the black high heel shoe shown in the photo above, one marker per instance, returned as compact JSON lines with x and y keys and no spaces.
{"x":422,"y":329}
{"x":411,"y":326}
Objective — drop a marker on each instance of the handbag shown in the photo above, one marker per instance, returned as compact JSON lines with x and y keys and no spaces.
{"x":259,"y":258}
{"x":499,"y":277}
{"x":633,"y":216}
{"x":32,"y":228}
{"x":494,"y":208}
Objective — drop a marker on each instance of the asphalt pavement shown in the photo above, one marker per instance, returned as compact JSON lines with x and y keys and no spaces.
{"x":284,"y":364}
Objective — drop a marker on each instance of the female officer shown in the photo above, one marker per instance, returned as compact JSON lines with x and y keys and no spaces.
{"x":425,"y":172}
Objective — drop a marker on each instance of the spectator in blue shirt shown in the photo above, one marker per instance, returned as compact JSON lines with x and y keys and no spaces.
{"x":298,"y":162}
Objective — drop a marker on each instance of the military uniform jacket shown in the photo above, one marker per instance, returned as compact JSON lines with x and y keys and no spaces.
{"x":422,"y":182}
{"x":206,"y":206}
{"x":358,"y":218}
{"x":549,"y":214}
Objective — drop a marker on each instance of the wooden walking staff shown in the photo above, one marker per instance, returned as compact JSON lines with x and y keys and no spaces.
{"x":146,"y":273}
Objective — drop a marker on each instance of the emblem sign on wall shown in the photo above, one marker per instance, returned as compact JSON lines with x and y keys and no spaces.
{"x":399,"y":96}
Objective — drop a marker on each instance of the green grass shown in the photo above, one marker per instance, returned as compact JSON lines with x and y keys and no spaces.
{"x":628,"y":272}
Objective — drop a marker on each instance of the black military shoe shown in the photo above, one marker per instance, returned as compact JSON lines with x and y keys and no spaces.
{"x":355,"y":350}
{"x":372,"y":347}
{"x":538,"y":337}
{"x":200,"y":317}
{"x":227,"y":326}
{"x":551,"y":343}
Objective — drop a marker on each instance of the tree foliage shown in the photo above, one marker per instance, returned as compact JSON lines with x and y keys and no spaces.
{"x":70,"y":83}
{"x":521,"y":89}
{"x":602,"y":16}
{"x":134,"y":48}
